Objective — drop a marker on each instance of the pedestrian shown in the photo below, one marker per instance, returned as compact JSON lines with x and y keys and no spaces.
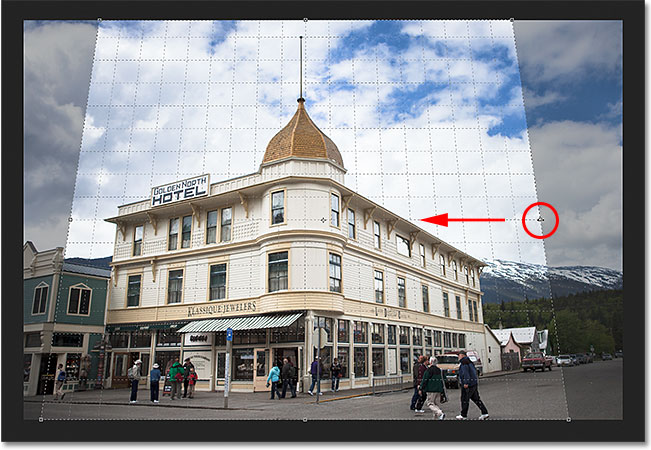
{"x":192,"y":381}
{"x":274,"y":376}
{"x":187,"y":365}
{"x":176,"y":378}
{"x":286,"y":373}
{"x":293,"y":376}
{"x":134,"y":379}
{"x":154,"y":382}
{"x":316,"y":369}
{"x":418,"y":371}
{"x":59,"y":382}
{"x":432,"y":387}
{"x":336,"y":374}
{"x":469,"y":391}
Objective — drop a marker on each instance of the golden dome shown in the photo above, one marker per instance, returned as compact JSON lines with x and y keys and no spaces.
{"x":302,"y":138}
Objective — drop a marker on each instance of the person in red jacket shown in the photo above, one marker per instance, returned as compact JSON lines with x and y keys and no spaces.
{"x":192,"y":381}
{"x":417,"y":399}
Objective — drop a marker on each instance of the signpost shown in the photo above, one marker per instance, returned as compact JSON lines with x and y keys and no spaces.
{"x":227,"y":367}
{"x":319,"y":338}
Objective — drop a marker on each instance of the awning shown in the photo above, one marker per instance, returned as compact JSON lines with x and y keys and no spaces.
{"x":171,"y":326}
{"x":240,"y":323}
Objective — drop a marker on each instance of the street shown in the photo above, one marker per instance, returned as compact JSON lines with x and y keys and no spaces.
{"x":589,"y":391}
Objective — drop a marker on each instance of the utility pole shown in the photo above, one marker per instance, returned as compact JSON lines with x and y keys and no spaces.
{"x":227,"y":367}
{"x":318,"y":361}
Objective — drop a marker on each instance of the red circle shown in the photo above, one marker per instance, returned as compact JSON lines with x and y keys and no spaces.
{"x":524,"y":225}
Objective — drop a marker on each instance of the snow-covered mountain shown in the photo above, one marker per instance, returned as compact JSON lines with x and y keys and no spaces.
{"x":513,"y":281}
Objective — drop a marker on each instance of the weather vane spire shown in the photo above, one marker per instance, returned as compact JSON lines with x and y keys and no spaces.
{"x":301,"y":77}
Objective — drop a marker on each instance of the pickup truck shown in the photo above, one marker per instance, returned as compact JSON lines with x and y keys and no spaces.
{"x":536,"y":360}
{"x":449,"y":365}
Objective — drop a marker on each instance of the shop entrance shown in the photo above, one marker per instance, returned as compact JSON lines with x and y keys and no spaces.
{"x":47,"y":372}
{"x":119,"y":377}
{"x":289,"y":352}
{"x":261,"y":372}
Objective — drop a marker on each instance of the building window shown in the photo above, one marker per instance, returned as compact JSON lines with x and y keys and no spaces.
{"x":173,"y":240}
{"x":377,"y":335}
{"x":360,"y":362}
{"x":186,"y":231}
{"x":446,"y":304}
{"x":379,"y":286}
{"x":462,"y":342}
{"x":243,"y":364}
{"x":40,"y":299}
{"x":137,"y":240}
{"x":335,"y":273}
{"x":442,"y":262}
{"x":376,"y":233}
{"x":472,"y":276}
{"x":133,"y":290}
{"x":226,"y":224}
{"x":79,"y":300}
{"x":404,"y":360}
{"x":402,"y":300}
{"x":403,"y":246}
{"x":67,"y":340}
{"x":342,"y":354}
{"x":140,"y":339}
{"x":342,"y":334}
{"x":218,"y":281}
{"x":277,"y":207}
{"x":351,"y":224}
{"x":378,"y":361}
{"x":458,"y":299}
{"x":465,"y":271}
{"x":455,"y":341}
{"x":474,"y":306}
{"x":418,"y":337}
{"x":470,"y":310}
{"x":391,"y":334}
{"x":278,"y":271}
{"x":175,"y":286}
{"x":447,"y":339}
{"x":292,"y":333}
{"x":456,"y":272}
{"x":404,"y":335}
{"x":334,"y":210}
{"x":425,"y":290}
{"x":360,"y":332}
{"x":428,"y":338}
{"x":211,"y":227}
{"x":72,"y":366}
{"x":326,"y":324}
{"x":33,"y":340}
{"x":437,"y":338}
{"x":421,"y":249}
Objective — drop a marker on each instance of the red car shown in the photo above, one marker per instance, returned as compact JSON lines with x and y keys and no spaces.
{"x":536,"y":360}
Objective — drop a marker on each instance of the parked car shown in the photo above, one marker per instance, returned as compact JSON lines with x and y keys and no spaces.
{"x":476,"y":360}
{"x":619,"y":354}
{"x":575,"y":359}
{"x":582,"y":358}
{"x":565,"y":361}
{"x":536,"y":360}
{"x":606,"y":356}
{"x":449,"y":365}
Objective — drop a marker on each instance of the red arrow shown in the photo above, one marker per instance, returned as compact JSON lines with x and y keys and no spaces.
{"x":442,"y":219}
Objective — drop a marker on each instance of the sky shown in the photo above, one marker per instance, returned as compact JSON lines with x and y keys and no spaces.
{"x":432,"y":109}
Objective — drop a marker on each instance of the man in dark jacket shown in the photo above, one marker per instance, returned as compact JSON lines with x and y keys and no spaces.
{"x":286,"y":373}
{"x":316,"y":369}
{"x":468,"y":382}
{"x":419,"y":370}
{"x":187,"y":365}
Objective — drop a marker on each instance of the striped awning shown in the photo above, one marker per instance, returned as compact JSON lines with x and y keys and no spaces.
{"x":240,"y":323}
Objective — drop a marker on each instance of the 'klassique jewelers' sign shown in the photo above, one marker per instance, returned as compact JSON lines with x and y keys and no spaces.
{"x":180,"y":190}
{"x":213,"y":310}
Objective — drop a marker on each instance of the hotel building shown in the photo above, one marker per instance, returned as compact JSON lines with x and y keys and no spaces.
{"x":274,"y":254}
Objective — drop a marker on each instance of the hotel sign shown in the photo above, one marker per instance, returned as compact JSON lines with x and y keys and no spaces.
{"x":180,"y":190}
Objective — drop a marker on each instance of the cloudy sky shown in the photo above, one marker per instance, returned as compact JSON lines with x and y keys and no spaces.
{"x":432,"y":109}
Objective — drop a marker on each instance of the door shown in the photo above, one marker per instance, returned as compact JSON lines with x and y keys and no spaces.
{"x":261,"y":372}
{"x":47,"y":372}
{"x":120,"y":368}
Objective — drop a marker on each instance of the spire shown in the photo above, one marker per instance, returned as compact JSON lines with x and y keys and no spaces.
{"x":301,"y":99}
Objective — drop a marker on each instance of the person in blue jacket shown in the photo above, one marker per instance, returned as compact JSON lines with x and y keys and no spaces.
{"x":274,"y":376}
{"x":468,"y":384}
{"x":154,"y":382}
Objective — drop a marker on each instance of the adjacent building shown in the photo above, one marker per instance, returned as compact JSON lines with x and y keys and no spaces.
{"x":275,"y":255}
{"x":64,"y":308}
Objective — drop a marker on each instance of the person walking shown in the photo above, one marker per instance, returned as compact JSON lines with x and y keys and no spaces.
{"x":274,"y":376}
{"x":187,"y":365}
{"x":316,"y":369}
{"x":154,"y":383}
{"x":432,"y":387}
{"x":286,"y":374}
{"x":293,"y":377}
{"x":59,"y":382}
{"x":176,"y":378}
{"x":134,"y":379}
{"x":418,"y":371}
{"x":192,"y":382}
{"x":336,"y":374}
{"x":469,"y":390}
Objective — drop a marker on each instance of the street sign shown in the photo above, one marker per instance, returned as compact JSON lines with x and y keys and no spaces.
{"x":229,"y":334}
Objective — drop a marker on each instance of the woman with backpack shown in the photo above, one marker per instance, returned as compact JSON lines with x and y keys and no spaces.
{"x":176,"y":378}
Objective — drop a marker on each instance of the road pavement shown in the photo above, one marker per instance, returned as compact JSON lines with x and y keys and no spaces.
{"x":590,"y":391}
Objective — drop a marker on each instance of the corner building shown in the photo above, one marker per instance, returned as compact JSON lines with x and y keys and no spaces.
{"x":274,"y":254}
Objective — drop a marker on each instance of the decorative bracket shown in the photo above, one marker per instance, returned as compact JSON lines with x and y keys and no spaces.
{"x":480,"y":269}
{"x":435,"y":248}
{"x":153,"y":221}
{"x":391,"y":225}
{"x":153,"y":269}
{"x":451,"y":256}
{"x":345,"y":203}
{"x":123,"y":229}
{"x":245,"y":203}
{"x":368,"y":215}
{"x":196,"y":212}
{"x":115,"y":277}
{"x":412,"y":238}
